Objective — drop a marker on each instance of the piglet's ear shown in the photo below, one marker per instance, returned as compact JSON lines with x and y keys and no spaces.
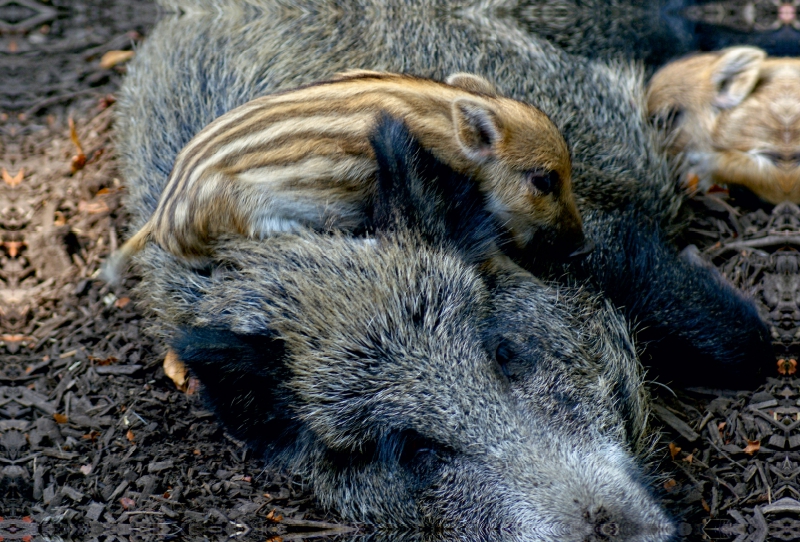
{"x":471,"y":82}
{"x":476,"y":129}
{"x":735,"y":74}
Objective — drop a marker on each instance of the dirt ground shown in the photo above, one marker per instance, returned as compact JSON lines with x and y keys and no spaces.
{"x":96,"y":443}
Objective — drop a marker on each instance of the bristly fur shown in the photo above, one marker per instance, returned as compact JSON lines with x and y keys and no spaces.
{"x":197,"y":67}
{"x":407,"y":393}
{"x":301,"y":158}
{"x":735,"y":356}
{"x":416,"y":191}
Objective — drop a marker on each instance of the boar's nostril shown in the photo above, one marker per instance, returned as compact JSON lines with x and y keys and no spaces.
{"x":607,"y":529}
{"x":583,"y":250}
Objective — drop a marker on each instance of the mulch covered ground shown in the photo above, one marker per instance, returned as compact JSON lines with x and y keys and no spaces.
{"x":96,"y":443}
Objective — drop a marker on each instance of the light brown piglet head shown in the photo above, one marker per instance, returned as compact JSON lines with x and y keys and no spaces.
{"x":734,"y":117}
{"x":524,"y":166}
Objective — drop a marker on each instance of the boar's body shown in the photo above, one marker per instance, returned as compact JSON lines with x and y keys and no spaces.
{"x":410,"y":393}
{"x":222,"y":54}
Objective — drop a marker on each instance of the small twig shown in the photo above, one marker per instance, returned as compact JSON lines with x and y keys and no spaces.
{"x":56,"y":99}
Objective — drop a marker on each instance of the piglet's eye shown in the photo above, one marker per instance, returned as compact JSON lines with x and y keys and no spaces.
{"x":544,"y":182}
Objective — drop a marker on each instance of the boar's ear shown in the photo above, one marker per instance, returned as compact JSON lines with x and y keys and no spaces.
{"x":471,"y":83}
{"x":735,"y":74}
{"x":417,"y":192}
{"x":476,"y":129}
{"x":242,"y":378}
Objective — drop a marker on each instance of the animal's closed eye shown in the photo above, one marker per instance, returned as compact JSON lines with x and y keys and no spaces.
{"x":503,"y":355}
{"x":668,"y":119}
{"x":773,"y":157}
{"x":543,"y":182}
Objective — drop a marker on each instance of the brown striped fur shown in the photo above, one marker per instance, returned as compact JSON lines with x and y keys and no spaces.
{"x":302,"y":158}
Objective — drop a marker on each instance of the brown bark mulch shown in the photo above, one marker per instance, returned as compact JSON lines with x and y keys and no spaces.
{"x":96,"y":443}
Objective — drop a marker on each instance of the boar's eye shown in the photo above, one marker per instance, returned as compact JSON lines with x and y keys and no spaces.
{"x":503,"y":355}
{"x":544,"y":182}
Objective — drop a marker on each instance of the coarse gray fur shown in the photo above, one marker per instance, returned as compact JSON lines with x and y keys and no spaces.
{"x":409,"y":393}
{"x":222,"y":53}
{"x":399,"y":416}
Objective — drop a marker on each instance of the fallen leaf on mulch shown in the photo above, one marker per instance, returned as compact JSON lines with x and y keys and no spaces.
{"x":15,"y":338}
{"x":93,"y":207}
{"x":176,"y":370}
{"x":272,"y":516}
{"x":121,"y":302}
{"x":112,"y":58}
{"x":127,"y":503}
{"x":14,"y":180}
{"x":673,"y":450}
{"x":86,"y":469}
{"x":670,"y":484}
{"x":13,"y":247}
{"x":787,"y":367}
{"x":60,"y":418}
{"x":79,"y":160}
{"x":752,"y":447}
{"x":110,"y":360}
{"x":91,"y":435}
{"x":129,"y":435}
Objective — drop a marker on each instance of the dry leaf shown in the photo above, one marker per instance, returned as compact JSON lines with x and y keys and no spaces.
{"x":176,"y":370}
{"x":752,"y":447}
{"x":60,"y":418}
{"x":121,"y":302}
{"x":107,"y":101}
{"x":13,"y":247}
{"x":129,"y":435}
{"x":86,"y":469}
{"x":673,"y":450}
{"x":14,"y":180}
{"x":787,"y":367}
{"x":196,"y":452}
{"x":272,"y":516}
{"x":15,"y":338}
{"x":92,"y":207}
{"x":110,"y":360}
{"x":689,"y":458}
{"x":112,"y":58}
{"x":670,"y":484}
{"x":127,"y":502}
{"x":79,"y":160}
{"x":73,"y":135}
{"x":705,"y":506}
